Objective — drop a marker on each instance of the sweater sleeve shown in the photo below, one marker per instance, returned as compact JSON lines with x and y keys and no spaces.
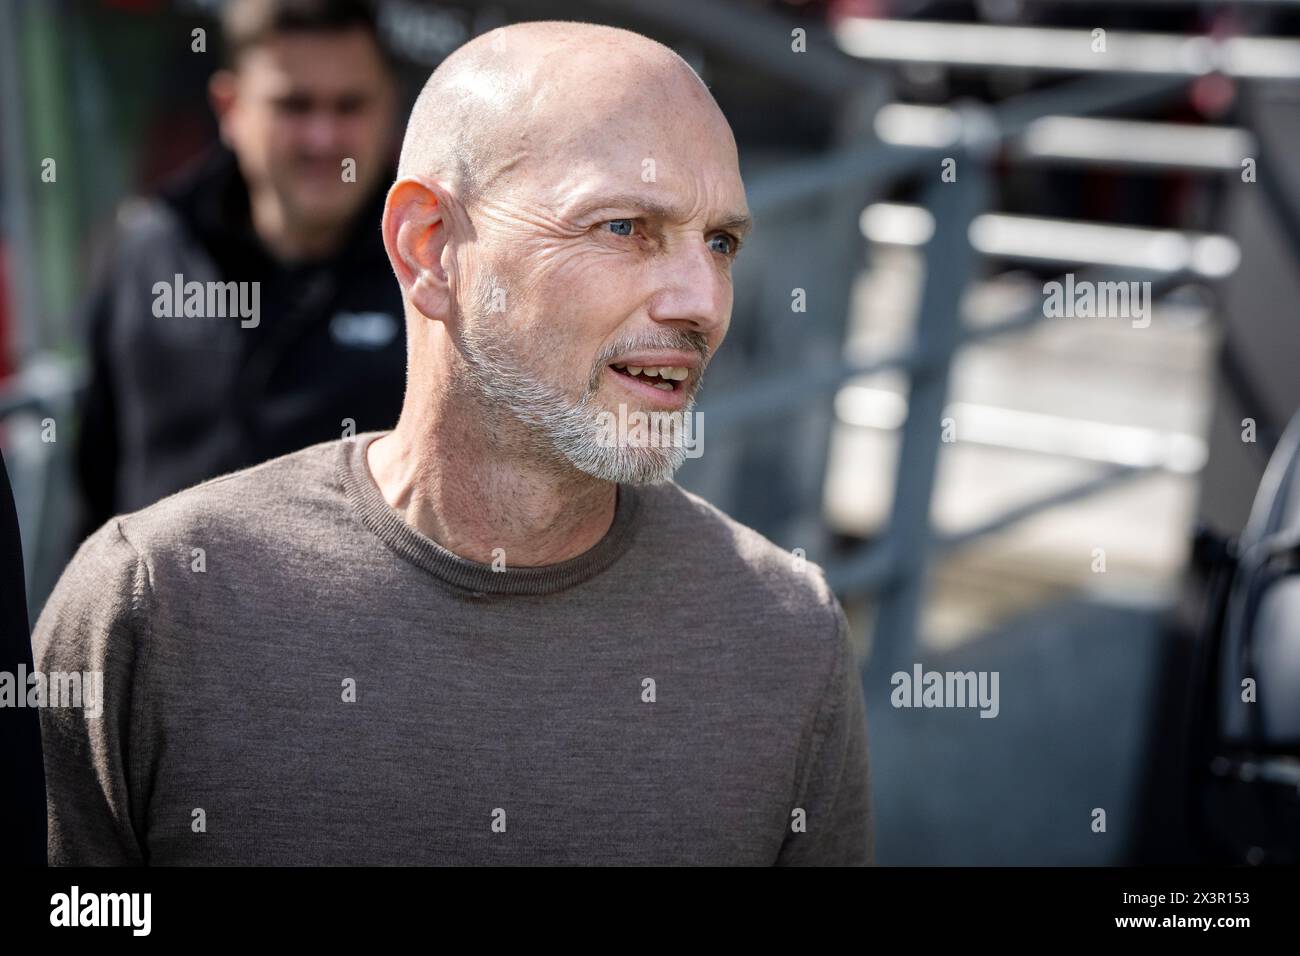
{"x":93,"y":625}
{"x":835,"y":794}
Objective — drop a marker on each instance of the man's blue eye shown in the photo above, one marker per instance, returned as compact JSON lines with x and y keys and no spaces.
{"x":731,"y":245}
{"x":616,"y":226}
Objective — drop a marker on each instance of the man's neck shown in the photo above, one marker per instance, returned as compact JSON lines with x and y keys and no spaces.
{"x":288,"y":241}
{"x":483,"y":505}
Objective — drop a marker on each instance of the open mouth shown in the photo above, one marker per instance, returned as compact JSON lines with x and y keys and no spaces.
{"x":666,"y":378}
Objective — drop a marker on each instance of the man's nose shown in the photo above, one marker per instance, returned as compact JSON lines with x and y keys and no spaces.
{"x":320,"y":131}
{"x":695,"y":288}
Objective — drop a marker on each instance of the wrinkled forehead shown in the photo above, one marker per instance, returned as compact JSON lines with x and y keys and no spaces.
{"x":681,"y":150}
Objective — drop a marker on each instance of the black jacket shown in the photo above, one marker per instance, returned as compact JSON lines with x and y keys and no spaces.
{"x":173,"y":401}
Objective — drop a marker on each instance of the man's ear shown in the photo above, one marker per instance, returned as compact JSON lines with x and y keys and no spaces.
{"x":415,"y":235}
{"x":221,"y":95}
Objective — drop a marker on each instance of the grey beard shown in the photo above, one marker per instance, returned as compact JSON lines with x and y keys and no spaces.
{"x":565,"y":431}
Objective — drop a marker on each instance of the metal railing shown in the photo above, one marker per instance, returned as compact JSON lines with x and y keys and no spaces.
{"x":894,"y":566}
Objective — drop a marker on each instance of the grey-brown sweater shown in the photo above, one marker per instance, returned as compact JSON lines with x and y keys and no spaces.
{"x":294,"y":675}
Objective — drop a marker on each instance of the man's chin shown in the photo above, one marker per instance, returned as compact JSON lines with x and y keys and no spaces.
{"x":325,"y":210}
{"x":635,"y":459}
{"x":648,"y":466}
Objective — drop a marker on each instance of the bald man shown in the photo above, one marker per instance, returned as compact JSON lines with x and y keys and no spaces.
{"x":498,"y":633}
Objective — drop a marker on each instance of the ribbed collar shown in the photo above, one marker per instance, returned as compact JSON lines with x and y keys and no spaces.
{"x":391,"y":528}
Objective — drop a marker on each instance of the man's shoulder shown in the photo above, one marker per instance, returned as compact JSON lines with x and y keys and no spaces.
{"x":172,"y":210}
{"x":167,"y":222}
{"x":144,"y":226}
{"x":712,"y":551}
{"x":243,"y":525}
{"x":150,"y":242}
{"x":263,"y":500}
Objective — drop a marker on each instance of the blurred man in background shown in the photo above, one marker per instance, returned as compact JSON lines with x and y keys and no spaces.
{"x":249,"y":310}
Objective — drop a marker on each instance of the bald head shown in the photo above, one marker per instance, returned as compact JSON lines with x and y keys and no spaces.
{"x":544,"y":90}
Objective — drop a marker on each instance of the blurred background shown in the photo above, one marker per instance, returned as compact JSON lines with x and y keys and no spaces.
{"x":1065,"y":500}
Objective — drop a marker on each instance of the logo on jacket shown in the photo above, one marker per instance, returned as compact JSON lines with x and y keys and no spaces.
{"x":363,"y":330}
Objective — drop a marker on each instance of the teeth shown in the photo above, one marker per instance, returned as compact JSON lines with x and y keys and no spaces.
{"x":664,"y":386}
{"x":669,"y":373}
{"x":676,"y":373}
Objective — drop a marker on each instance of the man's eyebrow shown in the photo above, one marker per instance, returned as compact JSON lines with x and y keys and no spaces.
{"x":739,"y":222}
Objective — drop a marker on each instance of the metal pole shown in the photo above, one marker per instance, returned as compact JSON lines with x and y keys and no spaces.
{"x":949,"y":263}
